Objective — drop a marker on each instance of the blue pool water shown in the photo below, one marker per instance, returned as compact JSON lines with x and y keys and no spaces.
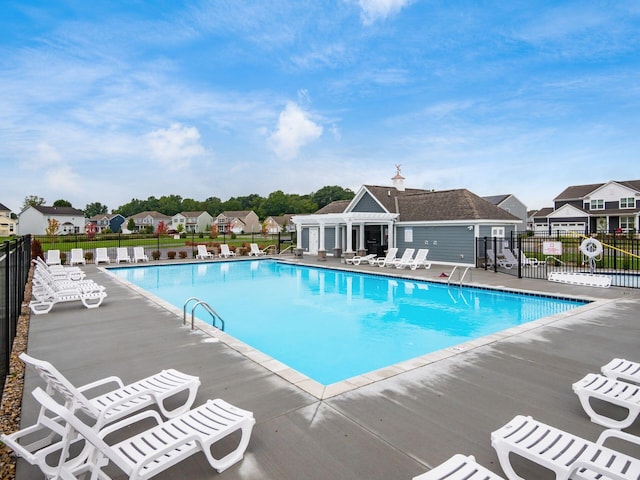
{"x":331,"y":325}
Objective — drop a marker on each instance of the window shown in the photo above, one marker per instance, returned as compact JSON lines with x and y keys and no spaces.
{"x":626,"y":224}
{"x":597,"y":205}
{"x":408,"y":235}
{"x":628,"y":202}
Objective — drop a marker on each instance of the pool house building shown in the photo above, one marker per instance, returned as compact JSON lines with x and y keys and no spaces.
{"x":379,"y":217}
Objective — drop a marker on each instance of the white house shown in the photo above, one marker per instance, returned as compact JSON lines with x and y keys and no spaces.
{"x":192,"y":222}
{"x":34,"y":220}
{"x":8,"y":225}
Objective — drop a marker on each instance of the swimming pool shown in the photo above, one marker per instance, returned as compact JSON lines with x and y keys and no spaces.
{"x":332,"y":325}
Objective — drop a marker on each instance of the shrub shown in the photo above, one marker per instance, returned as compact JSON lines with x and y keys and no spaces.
{"x":63,"y":258}
{"x":233,"y":236}
{"x":182,"y":254}
{"x":201,"y":235}
{"x":88,"y":256}
{"x":155,"y":254}
{"x":36,"y":249}
{"x":171,"y":255}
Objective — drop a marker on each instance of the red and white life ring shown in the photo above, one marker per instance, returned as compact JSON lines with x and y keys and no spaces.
{"x":591,"y":247}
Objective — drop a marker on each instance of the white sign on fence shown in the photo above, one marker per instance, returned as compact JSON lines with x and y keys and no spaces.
{"x":552,"y":248}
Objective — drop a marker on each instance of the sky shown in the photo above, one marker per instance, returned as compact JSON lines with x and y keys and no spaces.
{"x":107,"y":101}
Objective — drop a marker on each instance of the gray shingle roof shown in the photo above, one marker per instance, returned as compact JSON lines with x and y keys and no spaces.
{"x":335,"y":207}
{"x":576,"y":192}
{"x":59,"y":211}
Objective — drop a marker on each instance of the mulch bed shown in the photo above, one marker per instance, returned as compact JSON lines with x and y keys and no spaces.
{"x":11,"y":405}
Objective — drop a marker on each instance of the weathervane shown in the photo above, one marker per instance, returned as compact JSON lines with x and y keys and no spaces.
{"x":398,"y":169}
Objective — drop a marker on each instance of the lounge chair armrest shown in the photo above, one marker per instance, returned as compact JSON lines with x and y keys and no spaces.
{"x":613,"y":433}
{"x":101,"y":382}
{"x":125,"y":422}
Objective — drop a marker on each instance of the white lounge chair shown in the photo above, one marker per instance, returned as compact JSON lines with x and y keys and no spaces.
{"x":42,"y":276}
{"x":567,"y":455}
{"x":610,"y":390}
{"x":122,"y":255}
{"x":420,"y":260}
{"x":139,"y":255}
{"x":255,"y":251}
{"x":77,"y":257}
{"x":459,"y":467}
{"x":46,"y":295}
{"x":35,"y":443}
{"x":53,"y":257}
{"x":60,"y":272}
{"x":407,"y":255}
{"x":623,"y":369}
{"x":529,"y":261}
{"x":388,"y":259}
{"x":225,"y":252}
{"x":154,"y":450}
{"x":358,"y":259}
{"x":203,"y":253}
{"x":102,"y":256}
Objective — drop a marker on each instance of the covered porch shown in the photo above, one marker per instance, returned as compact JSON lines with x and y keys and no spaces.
{"x":345,"y":233}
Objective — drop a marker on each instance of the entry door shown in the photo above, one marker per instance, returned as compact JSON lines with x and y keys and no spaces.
{"x":314,"y":236}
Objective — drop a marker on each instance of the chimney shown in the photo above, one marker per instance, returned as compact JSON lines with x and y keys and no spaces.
{"x":398,"y":180}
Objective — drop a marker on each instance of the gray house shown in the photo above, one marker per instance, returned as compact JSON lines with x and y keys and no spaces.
{"x":511,"y":204}
{"x":378,"y":217}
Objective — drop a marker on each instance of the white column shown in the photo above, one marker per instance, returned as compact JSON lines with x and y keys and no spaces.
{"x":321,"y":239}
{"x":361,"y":239}
{"x":349,"y":237}
{"x":392,"y":235}
{"x":336,"y":240}
{"x":298,"y":235}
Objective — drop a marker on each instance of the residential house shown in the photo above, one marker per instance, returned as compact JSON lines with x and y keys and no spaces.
{"x":34,"y":220}
{"x":511,"y":204}
{"x":608,"y":207}
{"x":111,"y":221}
{"x":8,"y":225}
{"x":280,"y":224}
{"x":151,"y":219}
{"x":245,"y":221}
{"x":192,"y":222}
{"x":379,"y":217}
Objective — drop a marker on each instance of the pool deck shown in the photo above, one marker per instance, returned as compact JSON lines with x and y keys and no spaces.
{"x":395,"y":424}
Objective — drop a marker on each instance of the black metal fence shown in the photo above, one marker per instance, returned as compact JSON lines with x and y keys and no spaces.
{"x":15,"y":260}
{"x":537,"y":256}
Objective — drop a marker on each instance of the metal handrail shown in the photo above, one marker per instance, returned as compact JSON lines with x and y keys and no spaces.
{"x":207,"y":307}
{"x":288,"y":248}
{"x":455,"y":268}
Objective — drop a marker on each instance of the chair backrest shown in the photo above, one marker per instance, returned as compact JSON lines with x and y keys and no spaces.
{"x":77,"y":254}
{"x":391,"y":253}
{"x":68,"y":417}
{"x":122,"y":252}
{"x":101,"y":253}
{"x":254,"y":248}
{"x":53,"y":257}
{"x":202,"y":250}
{"x":138,"y":251}
{"x":56,"y":382}
{"x":408,"y":254}
{"x":421,"y":256}
{"x":224,"y":248}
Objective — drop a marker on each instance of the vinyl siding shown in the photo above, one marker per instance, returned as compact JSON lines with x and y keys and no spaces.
{"x":368,"y":204}
{"x":445,"y":244}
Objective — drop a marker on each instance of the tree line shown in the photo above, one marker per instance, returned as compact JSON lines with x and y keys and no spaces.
{"x":276,"y":203}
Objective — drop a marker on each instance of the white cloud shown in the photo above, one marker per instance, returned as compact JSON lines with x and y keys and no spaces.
{"x":373,"y":10}
{"x":295,"y":130}
{"x":176,"y":146}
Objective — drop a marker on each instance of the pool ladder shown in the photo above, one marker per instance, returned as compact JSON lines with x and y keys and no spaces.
{"x":455,"y":268}
{"x":214,"y":315}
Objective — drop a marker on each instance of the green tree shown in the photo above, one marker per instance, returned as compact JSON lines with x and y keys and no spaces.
{"x":95,"y":208}
{"x":131,"y":225}
{"x":329,"y":194}
{"x":32,"y":201}
{"x":62,"y":203}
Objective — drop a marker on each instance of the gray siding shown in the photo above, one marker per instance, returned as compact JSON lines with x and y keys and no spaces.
{"x":445,"y":244}
{"x":329,"y":239}
{"x":368,"y":204}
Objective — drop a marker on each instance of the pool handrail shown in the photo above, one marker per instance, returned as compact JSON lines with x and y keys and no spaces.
{"x":207,"y":307}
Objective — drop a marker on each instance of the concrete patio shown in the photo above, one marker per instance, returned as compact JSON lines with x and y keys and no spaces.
{"x":393,"y":428}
